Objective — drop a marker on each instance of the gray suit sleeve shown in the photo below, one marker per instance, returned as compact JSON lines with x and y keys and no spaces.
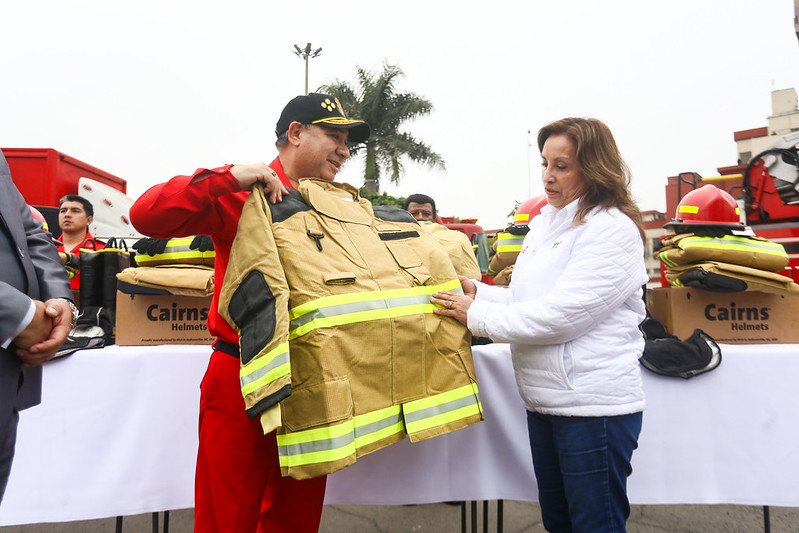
{"x":33,"y":245}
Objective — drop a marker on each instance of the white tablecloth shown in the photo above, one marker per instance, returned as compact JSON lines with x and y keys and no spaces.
{"x":116,"y":435}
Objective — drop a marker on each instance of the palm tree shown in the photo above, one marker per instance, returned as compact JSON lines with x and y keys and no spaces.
{"x":376,"y":101}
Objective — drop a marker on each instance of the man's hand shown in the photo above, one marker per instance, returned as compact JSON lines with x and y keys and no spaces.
{"x":38,"y":330}
{"x":56,"y":323}
{"x":248,"y":175}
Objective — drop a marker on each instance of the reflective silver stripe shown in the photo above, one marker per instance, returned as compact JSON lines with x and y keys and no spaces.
{"x":373,"y":427}
{"x":357,"y":307}
{"x":507,"y":243}
{"x":258,"y":373}
{"x":316,"y":446}
{"x":731,"y":243}
{"x":439,"y":409}
{"x":337,"y":441}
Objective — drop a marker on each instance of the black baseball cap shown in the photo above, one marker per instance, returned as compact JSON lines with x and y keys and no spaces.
{"x":322,"y":110}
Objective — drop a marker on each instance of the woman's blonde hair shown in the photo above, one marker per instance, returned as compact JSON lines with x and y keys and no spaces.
{"x":607,"y":177}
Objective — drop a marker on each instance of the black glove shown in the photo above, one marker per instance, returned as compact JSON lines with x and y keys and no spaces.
{"x":150,"y":246}
{"x":202,"y":243}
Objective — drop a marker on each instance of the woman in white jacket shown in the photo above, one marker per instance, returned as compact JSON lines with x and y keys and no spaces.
{"x":571,"y":316}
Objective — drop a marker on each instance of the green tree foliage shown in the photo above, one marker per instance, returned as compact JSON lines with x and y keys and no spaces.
{"x":376,"y":100}
{"x":382,"y":199}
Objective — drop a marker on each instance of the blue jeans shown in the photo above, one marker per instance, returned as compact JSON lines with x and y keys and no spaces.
{"x":581,"y":465}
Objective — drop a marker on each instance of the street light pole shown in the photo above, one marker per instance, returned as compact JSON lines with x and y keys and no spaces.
{"x":305,"y":53}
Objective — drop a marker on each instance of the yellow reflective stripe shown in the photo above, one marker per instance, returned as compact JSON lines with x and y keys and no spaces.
{"x":442,"y":408}
{"x":319,"y":445}
{"x":694,"y":209}
{"x":351,"y":308}
{"x":143,"y":258}
{"x":265,"y":369}
{"x":376,"y":425}
{"x":508,"y":248}
{"x":179,"y":241}
{"x":741,"y":244}
{"x":362,"y":316}
{"x":523,"y":217}
{"x":664,"y":258}
{"x":338,"y":441}
{"x":510,"y":245}
{"x":179,"y":248}
{"x":354,"y":297}
{"x":508,"y":242}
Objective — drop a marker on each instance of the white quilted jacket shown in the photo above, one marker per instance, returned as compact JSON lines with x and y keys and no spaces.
{"x":571,"y":314}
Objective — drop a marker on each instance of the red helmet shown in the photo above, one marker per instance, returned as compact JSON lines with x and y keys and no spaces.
{"x":707,"y":206}
{"x":37,"y":215}
{"x":528,"y":209}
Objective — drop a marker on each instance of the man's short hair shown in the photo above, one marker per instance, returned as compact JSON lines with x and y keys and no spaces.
{"x":87,"y":205}
{"x":420,"y":199}
{"x":282,"y":139}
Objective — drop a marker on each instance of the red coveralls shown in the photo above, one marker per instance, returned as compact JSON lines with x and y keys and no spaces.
{"x":238,"y":475}
{"x":74,"y":283}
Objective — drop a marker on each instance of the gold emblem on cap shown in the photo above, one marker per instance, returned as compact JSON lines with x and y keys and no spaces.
{"x":327,"y":104}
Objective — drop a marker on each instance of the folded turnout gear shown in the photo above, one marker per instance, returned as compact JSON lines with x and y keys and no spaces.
{"x":194,"y":250}
{"x":749,"y":251}
{"x":727,"y":277}
{"x":176,"y":279}
{"x":502,"y":277}
{"x":667,"y":355}
{"x":71,"y":263}
{"x":505,"y":250}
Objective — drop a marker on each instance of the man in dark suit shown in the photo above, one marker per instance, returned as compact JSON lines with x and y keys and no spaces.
{"x":36,"y":311}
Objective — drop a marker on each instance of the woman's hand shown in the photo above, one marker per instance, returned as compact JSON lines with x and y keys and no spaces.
{"x":454,"y":305}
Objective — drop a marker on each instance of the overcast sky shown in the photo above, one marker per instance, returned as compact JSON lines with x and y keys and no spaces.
{"x":149,"y":89}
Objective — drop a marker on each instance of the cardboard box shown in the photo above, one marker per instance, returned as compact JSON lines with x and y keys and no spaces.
{"x":144,"y":320}
{"x":747,"y":317}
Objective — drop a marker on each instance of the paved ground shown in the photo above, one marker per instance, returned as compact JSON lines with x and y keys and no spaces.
{"x":518,"y":517}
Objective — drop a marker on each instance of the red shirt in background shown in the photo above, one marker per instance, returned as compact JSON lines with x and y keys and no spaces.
{"x":94,"y":244}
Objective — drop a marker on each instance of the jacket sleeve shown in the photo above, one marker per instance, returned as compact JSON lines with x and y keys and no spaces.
{"x":35,"y":246}
{"x":605,"y":270}
{"x":458,"y":247}
{"x":186,"y":205}
{"x":254,"y":301}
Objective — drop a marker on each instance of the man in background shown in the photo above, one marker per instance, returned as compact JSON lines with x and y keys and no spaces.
{"x":74,"y":217}
{"x":421,"y":206}
{"x":36,"y":312}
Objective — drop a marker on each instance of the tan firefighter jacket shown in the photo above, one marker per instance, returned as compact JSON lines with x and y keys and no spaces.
{"x":458,"y":247}
{"x":333,"y":310}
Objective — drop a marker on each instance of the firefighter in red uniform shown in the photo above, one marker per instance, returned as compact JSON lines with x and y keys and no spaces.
{"x":238,"y":485}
